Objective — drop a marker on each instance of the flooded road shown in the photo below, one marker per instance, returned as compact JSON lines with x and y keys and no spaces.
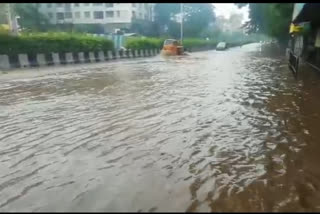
{"x":214,"y":131}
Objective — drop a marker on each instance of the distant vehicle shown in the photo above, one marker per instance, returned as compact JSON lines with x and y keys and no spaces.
{"x":172,"y":47}
{"x":221,"y":46}
{"x":132,"y":35}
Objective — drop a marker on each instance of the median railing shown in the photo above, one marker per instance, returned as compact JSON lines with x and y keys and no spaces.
{"x":22,"y":60}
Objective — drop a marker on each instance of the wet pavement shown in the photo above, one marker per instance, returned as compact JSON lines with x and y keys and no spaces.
{"x":213,"y":131}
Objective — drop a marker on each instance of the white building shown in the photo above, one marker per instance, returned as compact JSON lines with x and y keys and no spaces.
{"x":111,"y":15}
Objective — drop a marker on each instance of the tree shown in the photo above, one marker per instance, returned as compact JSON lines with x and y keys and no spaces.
{"x":197,"y":18}
{"x":144,"y":27}
{"x":30,"y":17}
{"x":279,"y":21}
{"x":174,"y":29}
{"x":164,"y":13}
{"x":3,"y":13}
{"x":272,"y":19}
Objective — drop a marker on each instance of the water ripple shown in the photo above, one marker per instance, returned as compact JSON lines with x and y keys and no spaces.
{"x":195,"y":133}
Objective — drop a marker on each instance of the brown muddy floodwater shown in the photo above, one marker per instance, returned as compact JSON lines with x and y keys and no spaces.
{"x":214,"y":131}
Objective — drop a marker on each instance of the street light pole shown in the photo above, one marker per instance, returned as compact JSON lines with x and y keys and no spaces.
{"x":9,"y":17}
{"x":12,"y":22}
{"x":181,"y":26}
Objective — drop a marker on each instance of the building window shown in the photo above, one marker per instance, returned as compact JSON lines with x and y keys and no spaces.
{"x":50,"y":15}
{"x":109,"y":4}
{"x":140,"y":15}
{"x":97,"y":4}
{"x":133,"y":4}
{"x":118,"y":13}
{"x":68,"y":15}
{"x":87,"y":4}
{"x":49,"y":5}
{"x":145,"y":16}
{"x":87,"y":14}
{"x":68,"y":7}
{"x":109,"y":14}
{"x":60,"y":16}
{"x":76,"y":4}
{"x":134,"y":14}
{"x":77,"y":15}
{"x":98,"y":14}
{"x":59,"y":5}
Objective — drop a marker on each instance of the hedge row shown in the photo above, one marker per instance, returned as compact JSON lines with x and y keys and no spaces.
{"x":188,"y":43}
{"x":145,"y":43}
{"x":52,"y":42}
{"x":71,"y":42}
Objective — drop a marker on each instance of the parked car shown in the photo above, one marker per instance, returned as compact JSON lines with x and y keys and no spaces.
{"x":221,"y":46}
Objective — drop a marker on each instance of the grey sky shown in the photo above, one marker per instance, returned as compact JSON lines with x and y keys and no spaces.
{"x":225,"y":9}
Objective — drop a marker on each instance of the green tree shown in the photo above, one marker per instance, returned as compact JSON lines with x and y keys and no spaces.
{"x":197,"y":18}
{"x":279,"y":21}
{"x":272,"y":19}
{"x":3,"y":13}
{"x":144,"y":27}
{"x":174,"y":29}
{"x":30,"y":17}
{"x":164,"y":13}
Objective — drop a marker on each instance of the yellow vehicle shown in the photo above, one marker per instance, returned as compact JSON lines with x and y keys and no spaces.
{"x":172,"y":47}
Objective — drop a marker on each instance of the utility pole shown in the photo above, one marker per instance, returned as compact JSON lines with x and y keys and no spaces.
{"x":181,"y":26}
{"x":12,"y":22}
{"x":9,"y":16}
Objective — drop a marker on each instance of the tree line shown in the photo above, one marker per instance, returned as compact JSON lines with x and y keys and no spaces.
{"x":272,"y":19}
{"x":196,"y":18}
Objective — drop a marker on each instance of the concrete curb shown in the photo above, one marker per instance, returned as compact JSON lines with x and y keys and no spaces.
{"x":53,"y":59}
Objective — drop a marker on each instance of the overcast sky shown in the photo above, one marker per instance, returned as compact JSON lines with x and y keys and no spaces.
{"x":225,"y":9}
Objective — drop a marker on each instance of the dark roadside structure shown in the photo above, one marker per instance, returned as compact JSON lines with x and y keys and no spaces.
{"x":304,"y":40}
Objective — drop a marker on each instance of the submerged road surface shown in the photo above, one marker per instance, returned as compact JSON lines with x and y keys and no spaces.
{"x":214,"y":131}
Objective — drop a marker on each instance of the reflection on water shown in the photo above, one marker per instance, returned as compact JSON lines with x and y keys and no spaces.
{"x":214,"y":131}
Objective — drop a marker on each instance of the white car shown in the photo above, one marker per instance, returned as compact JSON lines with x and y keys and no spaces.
{"x":221,"y":46}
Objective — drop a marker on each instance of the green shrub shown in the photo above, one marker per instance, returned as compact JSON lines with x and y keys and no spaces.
{"x":34,"y":43}
{"x":4,"y":29}
{"x":146,"y":43}
{"x":198,"y":43}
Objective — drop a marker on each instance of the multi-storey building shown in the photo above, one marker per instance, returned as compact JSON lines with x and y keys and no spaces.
{"x":111,"y":15}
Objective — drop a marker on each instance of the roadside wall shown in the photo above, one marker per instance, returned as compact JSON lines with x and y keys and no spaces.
{"x":41,"y":60}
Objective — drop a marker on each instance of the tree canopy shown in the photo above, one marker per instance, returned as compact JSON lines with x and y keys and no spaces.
{"x":3,"y":13}
{"x":272,"y":19}
{"x":197,"y":17}
{"x":164,"y":12}
{"x":30,"y":17}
